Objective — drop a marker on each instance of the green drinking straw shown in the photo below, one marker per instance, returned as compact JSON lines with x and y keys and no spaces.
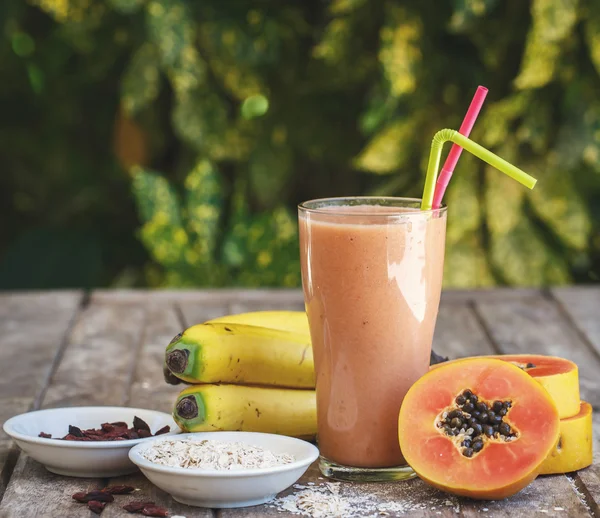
{"x":435,"y":155}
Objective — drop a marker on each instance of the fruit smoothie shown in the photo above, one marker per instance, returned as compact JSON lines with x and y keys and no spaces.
{"x":372,"y":276}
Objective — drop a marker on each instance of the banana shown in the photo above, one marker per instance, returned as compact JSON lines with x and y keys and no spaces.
{"x":292,"y":321}
{"x":241,"y":354}
{"x":208,"y":408}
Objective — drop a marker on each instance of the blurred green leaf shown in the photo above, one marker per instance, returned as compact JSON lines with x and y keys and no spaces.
{"x":553,"y":21}
{"x":523,"y":258}
{"x":23,"y":44}
{"x":466,"y":264}
{"x":592,"y":33}
{"x":498,"y":119}
{"x":270,"y":169}
{"x":254,"y":106}
{"x":169,"y":27}
{"x":200,"y":119}
{"x":141,"y":80}
{"x":160,"y":209}
{"x":126,"y":6}
{"x":463,"y":201}
{"x":204,"y":204}
{"x":467,"y":12}
{"x":400,"y":52}
{"x":560,"y":206}
{"x":36,"y":78}
{"x":389,"y":149}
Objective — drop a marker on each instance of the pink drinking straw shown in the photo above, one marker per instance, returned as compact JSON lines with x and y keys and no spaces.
{"x":456,"y":150}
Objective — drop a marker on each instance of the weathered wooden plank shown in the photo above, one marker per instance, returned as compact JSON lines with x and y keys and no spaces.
{"x":536,"y":325}
{"x":33,"y":492}
{"x":148,"y":492}
{"x":546,"y":496}
{"x":150,"y":391}
{"x":33,"y":326}
{"x":503,"y":294}
{"x":458,"y":333}
{"x":96,"y":369}
{"x":209,"y":296}
{"x":581,"y":304}
{"x":590,"y":477}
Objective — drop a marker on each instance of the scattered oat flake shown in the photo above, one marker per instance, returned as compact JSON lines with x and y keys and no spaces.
{"x":213,"y":455}
{"x":327,"y":500}
{"x":559,"y":509}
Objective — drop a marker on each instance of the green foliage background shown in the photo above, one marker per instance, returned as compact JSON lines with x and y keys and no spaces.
{"x":194,"y":127}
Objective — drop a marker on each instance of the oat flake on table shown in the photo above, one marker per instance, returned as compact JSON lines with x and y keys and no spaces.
{"x":213,"y":454}
{"x":326,"y":501}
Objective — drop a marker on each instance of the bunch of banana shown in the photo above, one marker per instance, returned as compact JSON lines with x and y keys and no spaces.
{"x":252,"y":372}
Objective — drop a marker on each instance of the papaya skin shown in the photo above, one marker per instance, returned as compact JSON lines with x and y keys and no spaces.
{"x":500,"y":469}
{"x":574,"y":450}
{"x":559,"y":376}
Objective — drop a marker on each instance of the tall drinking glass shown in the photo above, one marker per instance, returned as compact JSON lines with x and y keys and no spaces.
{"x":372,"y":276}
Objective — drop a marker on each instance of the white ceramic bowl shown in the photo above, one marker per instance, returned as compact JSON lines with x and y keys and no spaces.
{"x":224,"y":489}
{"x":82,"y":459}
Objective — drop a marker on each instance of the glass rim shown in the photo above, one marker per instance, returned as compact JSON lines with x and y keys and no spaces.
{"x":303,"y":207}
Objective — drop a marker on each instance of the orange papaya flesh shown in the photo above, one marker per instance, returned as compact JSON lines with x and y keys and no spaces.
{"x":574,"y":448}
{"x":559,"y":376}
{"x":502,"y":467}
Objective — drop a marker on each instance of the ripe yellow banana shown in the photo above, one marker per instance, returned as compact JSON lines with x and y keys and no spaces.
{"x":292,"y":321}
{"x":208,"y":408}
{"x":241,"y":354}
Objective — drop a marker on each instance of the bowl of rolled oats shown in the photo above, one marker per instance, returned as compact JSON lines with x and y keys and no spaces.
{"x":224,"y":469}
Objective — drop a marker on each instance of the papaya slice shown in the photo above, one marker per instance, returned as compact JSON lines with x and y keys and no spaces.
{"x":574,"y":448}
{"x":559,"y":376}
{"x":478,"y":427}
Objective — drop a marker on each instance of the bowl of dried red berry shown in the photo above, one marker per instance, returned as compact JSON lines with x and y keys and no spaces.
{"x":87,"y":441}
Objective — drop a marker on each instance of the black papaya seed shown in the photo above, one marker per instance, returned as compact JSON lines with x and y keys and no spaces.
{"x":504,"y":429}
{"x":456,"y":423}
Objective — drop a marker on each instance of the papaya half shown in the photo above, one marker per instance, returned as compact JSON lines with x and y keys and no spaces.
{"x":478,"y":427}
{"x":559,"y":376}
{"x":574,"y":448}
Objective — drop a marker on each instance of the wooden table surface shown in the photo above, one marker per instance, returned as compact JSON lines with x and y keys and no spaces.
{"x":106,"y":348}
